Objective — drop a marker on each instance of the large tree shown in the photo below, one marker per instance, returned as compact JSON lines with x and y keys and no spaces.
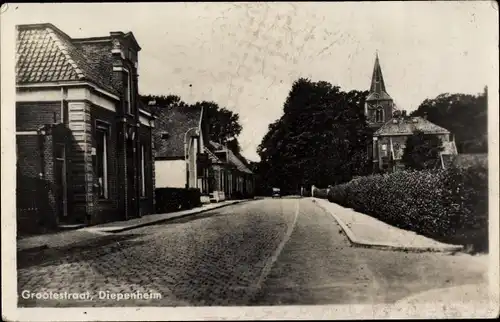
{"x":320,"y":139}
{"x":465,"y":116}
{"x":223,"y":125}
{"x":422,"y":151}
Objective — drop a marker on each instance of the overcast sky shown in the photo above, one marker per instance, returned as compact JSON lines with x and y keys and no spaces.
{"x":246,"y":56}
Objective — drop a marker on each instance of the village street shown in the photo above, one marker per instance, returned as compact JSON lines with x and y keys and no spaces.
{"x":260,"y":252}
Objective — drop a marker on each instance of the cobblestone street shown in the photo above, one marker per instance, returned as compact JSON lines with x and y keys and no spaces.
{"x":263,"y":252}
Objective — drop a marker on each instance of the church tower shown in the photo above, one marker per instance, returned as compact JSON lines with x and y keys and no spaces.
{"x":379,"y":105}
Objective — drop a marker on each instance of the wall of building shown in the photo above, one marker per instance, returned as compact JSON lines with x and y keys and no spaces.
{"x":32,"y":115}
{"x":398,"y":143}
{"x":371,"y":110}
{"x":108,"y":209}
{"x":192,"y":153}
{"x":170,"y":173}
{"x":147,"y":201}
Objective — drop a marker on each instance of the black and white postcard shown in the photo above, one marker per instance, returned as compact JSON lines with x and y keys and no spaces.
{"x":249,"y":160}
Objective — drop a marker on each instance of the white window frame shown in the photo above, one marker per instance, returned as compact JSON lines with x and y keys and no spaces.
{"x":105,"y":180}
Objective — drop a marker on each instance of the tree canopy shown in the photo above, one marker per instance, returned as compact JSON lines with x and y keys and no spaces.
{"x":320,"y":139}
{"x":422,"y":151}
{"x":464,"y":115}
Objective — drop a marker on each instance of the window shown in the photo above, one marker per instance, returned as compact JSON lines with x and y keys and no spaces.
{"x":101,"y":165}
{"x":128,"y":92}
{"x":379,"y":115}
{"x":384,"y":149}
{"x":143,"y":172}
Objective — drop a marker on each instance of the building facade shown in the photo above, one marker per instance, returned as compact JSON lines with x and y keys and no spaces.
{"x":181,"y":160}
{"x":391,"y":127}
{"x":230,"y":177}
{"x":84,"y":141}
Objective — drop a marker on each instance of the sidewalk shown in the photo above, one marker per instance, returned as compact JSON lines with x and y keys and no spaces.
{"x":61,"y":239}
{"x":363,"y":230}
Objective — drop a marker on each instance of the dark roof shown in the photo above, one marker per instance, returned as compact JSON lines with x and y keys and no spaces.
{"x":377,"y":88}
{"x":175,"y":122}
{"x":407,"y":126}
{"x":211,"y":156}
{"x":46,"y":54}
{"x":232,"y":158}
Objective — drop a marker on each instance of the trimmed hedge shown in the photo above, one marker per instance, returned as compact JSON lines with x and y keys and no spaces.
{"x":448,"y":205}
{"x":172,"y":199}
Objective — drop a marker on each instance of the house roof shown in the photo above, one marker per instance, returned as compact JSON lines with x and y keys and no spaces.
{"x":211,"y":156}
{"x":408,"y":125}
{"x":175,"y":121}
{"x":47,"y":54}
{"x":232,"y":158}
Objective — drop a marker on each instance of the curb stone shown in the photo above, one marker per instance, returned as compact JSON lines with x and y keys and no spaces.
{"x":122,"y":229}
{"x":355,"y":241}
{"x":159,"y":221}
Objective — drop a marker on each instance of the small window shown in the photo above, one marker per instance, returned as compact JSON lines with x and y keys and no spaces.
{"x":101,"y":164}
{"x":379,"y":115}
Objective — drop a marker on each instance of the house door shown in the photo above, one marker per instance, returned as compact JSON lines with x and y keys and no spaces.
{"x":131,"y":184}
{"x":60,"y":176}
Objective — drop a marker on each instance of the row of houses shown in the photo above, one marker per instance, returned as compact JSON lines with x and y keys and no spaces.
{"x":187,"y":158}
{"x":88,"y":150}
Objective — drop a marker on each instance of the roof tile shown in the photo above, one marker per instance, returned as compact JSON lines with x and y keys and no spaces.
{"x":406,"y":126}
{"x":46,"y":54}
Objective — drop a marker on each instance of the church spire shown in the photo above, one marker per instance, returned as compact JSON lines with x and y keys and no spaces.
{"x":377,"y":88}
{"x":378,"y":85}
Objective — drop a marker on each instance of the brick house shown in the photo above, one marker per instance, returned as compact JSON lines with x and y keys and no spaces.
{"x":392,"y":127}
{"x":83,"y":139}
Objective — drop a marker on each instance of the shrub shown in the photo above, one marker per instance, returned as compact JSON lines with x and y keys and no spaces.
{"x":321,"y":193}
{"x":449,"y":205}
{"x":172,"y":199}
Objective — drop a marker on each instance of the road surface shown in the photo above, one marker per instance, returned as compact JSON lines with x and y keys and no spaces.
{"x":264,"y":252}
